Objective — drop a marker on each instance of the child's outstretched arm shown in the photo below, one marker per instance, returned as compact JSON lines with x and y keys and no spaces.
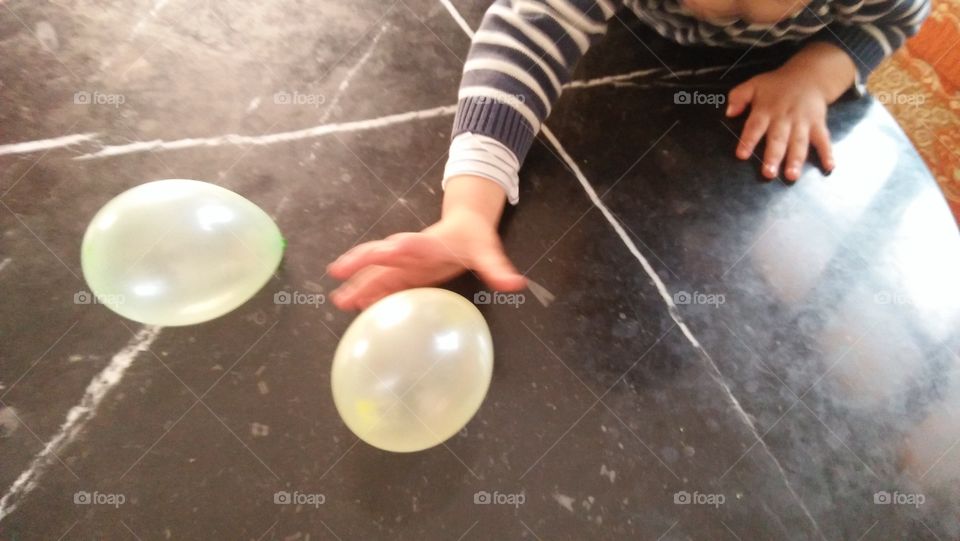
{"x":788,"y":106}
{"x":522,"y":54}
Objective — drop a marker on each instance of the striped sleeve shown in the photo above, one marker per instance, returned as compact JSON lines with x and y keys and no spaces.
{"x":521,"y":56}
{"x":874,"y":30}
{"x":482,"y":156}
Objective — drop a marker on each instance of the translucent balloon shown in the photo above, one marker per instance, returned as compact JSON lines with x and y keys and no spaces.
{"x":412,"y":369}
{"x":178,"y":252}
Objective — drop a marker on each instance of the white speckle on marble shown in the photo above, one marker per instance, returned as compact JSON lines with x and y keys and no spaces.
{"x":564,"y":501}
{"x":8,"y":421}
{"x":6,"y":261}
{"x":262,"y":387}
{"x":154,"y":10}
{"x":610,"y":474}
{"x":260,"y":370}
{"x":75,"y":358}
{"x":259,"y":430}
{"x":259,"y":317}
{"x":47,"y":36}
{"x":253,"y":105}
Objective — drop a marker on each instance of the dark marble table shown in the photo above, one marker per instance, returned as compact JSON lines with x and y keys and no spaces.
{"x":725,"y":357}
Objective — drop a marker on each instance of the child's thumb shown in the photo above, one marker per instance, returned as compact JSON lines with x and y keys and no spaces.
{"x":498,"y":272}
{"x":739,"y":98}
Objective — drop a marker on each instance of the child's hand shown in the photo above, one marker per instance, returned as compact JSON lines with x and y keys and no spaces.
{"x":791,"y":111}
{"x":789,"y":107}
{"x":465,"y":238}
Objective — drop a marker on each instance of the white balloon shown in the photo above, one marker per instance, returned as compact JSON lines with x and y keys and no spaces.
{"x":412,"y":369}
{"x":178,"y":252}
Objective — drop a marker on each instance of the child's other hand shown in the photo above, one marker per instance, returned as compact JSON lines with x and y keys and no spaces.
{"x":463,"y":239}
{"x":789,"y":108}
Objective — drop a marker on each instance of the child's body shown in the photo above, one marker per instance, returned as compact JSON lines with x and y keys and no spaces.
{"x":525,"y":50}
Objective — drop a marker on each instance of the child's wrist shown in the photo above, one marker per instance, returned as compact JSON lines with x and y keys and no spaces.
{"x":475,"y":198}
{"x":830,"y":69}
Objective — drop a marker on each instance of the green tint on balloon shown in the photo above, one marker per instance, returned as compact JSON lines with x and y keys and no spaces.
{"x":412,"y":369}
{"x":179,"y":252}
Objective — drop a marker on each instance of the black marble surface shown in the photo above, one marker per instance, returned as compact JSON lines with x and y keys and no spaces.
{"x":827,"y":311}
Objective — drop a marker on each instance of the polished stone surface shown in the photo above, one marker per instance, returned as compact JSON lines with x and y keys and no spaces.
{"x":827,"y":311}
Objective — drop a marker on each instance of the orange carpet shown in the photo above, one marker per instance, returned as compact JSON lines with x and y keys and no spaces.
{"x":920,"y":86}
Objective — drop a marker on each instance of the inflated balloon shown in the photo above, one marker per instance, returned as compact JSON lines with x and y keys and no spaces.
{"x":178,"y":252}
{"x":412,"y":369}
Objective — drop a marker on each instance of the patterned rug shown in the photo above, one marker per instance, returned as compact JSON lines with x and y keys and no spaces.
{"x":920,"y":86}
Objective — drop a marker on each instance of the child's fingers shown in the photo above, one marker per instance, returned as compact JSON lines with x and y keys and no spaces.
{"x":777,"y":137}
{"x":753,"y":130}
{"x":375,"y":285}
{"x":739,"y":98}
{"x":359,"y":257}
{"x":820,"y":137}
{"x":362,"y":287}
{"x":392,"y":251}
{"x":797,"y":153}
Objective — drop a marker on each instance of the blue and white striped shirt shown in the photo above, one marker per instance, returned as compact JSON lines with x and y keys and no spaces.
{"x":526,"y":50}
